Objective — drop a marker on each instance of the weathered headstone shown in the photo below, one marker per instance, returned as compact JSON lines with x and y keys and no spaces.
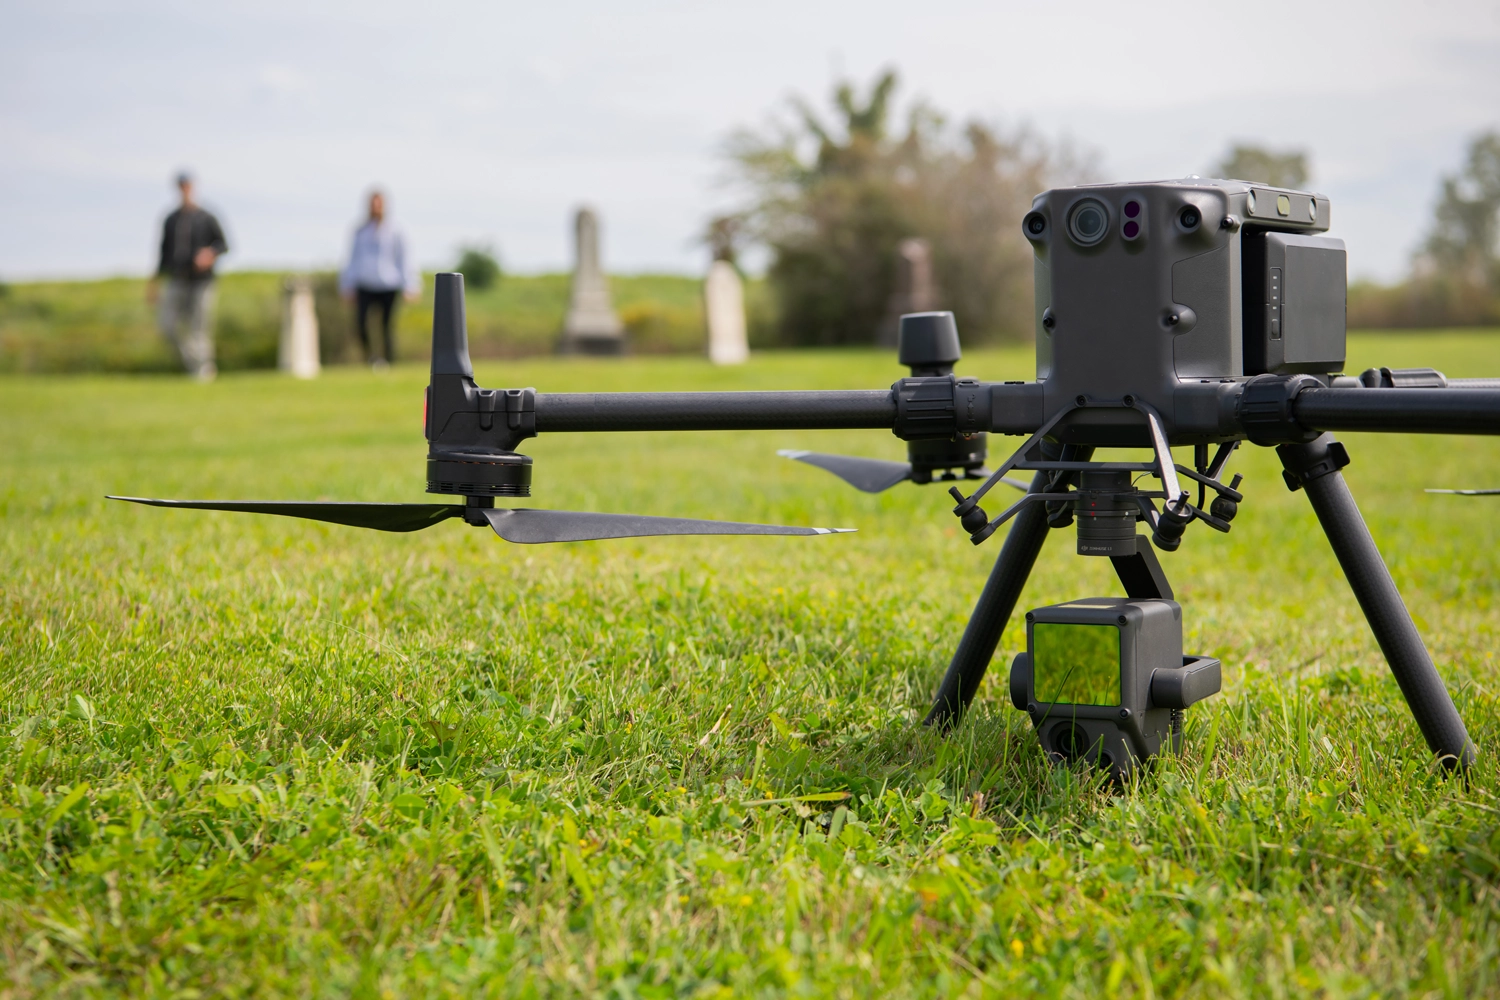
{"x":591,"y":326}
{"x":298,"y":354}
{"x":724,"y":306}
{"x":914,"y":290}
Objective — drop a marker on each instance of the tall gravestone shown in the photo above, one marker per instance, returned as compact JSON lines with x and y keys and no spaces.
{"x":914,"y":290}
{"x":724,"y":308}
{"x":298,"y":354}
{"x":591,"y":326}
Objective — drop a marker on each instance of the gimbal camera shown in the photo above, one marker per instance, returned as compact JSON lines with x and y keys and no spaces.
{"x":1194,"y":313}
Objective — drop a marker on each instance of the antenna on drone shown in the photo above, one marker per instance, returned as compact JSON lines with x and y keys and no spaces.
{"x":450,"y":332}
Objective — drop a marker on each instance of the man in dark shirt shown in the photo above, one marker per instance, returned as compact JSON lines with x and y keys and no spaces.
{"x":191,"y":242}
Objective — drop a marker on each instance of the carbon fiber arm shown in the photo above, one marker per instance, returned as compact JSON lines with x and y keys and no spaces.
{"x":714,"y":411}
{"x":1455,"y":410}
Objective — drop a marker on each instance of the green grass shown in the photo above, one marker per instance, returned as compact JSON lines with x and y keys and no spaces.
{"x":261,"y":756}
{"x":107,"y":326}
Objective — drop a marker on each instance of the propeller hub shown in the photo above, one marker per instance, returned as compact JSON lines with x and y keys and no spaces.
{"x":474,"y":508}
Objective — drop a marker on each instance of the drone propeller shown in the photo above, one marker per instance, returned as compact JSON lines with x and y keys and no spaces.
{"x":524,"y":526}
{"x":872,"y":475}
{"x":531,"y":526}
{"x":1466,"y":493}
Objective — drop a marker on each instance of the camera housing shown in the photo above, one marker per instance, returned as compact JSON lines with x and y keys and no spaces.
{"x":1143,"y":287}
{"x":1104,"y":680}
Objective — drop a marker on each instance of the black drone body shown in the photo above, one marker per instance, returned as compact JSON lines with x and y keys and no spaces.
{"x":1187,"y":313}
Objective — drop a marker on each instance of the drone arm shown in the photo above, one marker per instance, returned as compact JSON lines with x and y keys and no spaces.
{"x":1273,"y":409}
{"x":1454,"y":410}
{"x":715,"y":411}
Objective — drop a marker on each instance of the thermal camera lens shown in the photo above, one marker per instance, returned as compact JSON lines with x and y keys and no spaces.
{"x":1132,"y":230}
{"x":1189,"y":218}
{"x":1035,"y":224}
{"x":1088,"y":222}
{"x":1132,"y":209}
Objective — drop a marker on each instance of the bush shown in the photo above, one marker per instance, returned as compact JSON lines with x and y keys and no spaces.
{"x":834,"y":201}
{"x":479,"y":267}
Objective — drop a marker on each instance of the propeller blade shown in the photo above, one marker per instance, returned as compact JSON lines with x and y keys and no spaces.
{"x":530,"y":527}
{"x":873,"y":475}
{"x":1466,"y":493}
{"x":380,"y":516}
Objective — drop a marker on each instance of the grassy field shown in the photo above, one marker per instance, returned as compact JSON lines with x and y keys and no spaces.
{"x":107,"y":326}
{"x":261,"y":756}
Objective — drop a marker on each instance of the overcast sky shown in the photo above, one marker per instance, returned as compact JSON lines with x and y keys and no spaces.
{"x":489,"y":122}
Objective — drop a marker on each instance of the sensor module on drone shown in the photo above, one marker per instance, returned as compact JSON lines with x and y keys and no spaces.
{"x":1193,"y":313}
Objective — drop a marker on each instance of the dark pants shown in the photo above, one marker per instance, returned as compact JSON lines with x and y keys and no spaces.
{"x":364,"y":300}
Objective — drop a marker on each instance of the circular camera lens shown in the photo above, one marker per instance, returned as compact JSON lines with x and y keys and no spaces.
{"x":1071,"y":741}
{"x":1132,"y":230}
{"x":1312,"y":209}
{"x":1088,"y":222}
{"x":1189,"y":218}
{"x":1035,"y":224}
{"x":1250,"y":202}
{"x":1132,"y":209}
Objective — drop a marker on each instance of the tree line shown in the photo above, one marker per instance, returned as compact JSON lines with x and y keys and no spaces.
{"x":832,"y":195}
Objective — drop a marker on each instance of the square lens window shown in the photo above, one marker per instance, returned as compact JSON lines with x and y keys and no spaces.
{"x":1075,"y":664}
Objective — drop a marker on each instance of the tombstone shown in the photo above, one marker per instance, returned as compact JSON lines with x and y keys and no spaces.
{"x":724,"y":307}
{"x":298,"y":355}
{"x":591,"y":326}
{"x":914,"y":288}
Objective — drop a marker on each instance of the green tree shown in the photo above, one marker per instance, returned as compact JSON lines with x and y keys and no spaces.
{"x":479,"y":267}
{"x":1455,"y":276}
{"x":832,"y":198}
{"x":1256,"y":163}
{"x":1465,"y":237}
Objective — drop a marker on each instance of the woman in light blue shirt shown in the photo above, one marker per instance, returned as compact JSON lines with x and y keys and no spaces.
{"x":379,"y":268}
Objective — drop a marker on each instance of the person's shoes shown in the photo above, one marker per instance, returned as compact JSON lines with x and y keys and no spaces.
{"x":207,"y":372}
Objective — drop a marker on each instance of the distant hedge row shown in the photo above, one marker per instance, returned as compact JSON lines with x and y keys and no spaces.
{"x":107,"y":325}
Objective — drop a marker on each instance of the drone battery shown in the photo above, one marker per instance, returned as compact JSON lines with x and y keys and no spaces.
{"x":1104,"y":679}
{"x":1294,"y":304}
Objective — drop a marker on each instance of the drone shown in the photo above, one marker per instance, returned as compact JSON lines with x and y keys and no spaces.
{"x":1194,"y":313}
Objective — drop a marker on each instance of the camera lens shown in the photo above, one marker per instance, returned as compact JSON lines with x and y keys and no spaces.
{"x":1312,"y":209}
{"x":1131,"y":230}
{"x":1132,"y":209}
{"x":1071,"y":741}
{"x":1189,"y":218}
{"x":1088,"y":222}
{"x":1035,"y":223}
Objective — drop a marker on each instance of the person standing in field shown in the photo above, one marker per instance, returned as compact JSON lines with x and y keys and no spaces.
{"x":192,"y":241}
{"x":379,"y":269}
